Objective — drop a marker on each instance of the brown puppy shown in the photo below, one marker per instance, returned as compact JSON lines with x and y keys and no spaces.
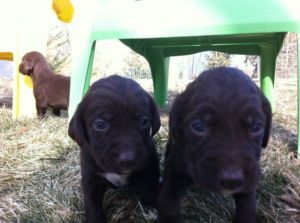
{"x":49,"y":89}
{"x":114,"y":126}
{"x":218,"y":126}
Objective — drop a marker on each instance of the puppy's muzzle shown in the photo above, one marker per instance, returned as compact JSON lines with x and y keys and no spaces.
{"x":127,"y":159}
{"x":21,"y":68}
{"x":232,"y":171}
{"x":124,"y":160}
{"x":231,"y":179}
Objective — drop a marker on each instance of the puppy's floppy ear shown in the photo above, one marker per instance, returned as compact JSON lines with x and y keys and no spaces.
{"x":77,"y":130}
{"x":155,"y":119}
{"x":175,"y":116}
{"x":268,"y":112}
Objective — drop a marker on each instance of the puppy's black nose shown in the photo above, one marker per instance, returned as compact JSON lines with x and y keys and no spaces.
{"x":127,"y":159}
{"x":232,"y":179}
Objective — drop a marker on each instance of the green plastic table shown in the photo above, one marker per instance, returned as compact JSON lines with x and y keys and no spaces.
{"x":159,"y":29}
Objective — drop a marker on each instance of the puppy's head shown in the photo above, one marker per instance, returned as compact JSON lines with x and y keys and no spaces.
{"x":30,"y":61}
{"x":115,"y":123}
{"x":221,"y":122}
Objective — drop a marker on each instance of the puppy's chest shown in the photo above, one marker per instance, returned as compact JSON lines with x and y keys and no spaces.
{"x":116,"y":179}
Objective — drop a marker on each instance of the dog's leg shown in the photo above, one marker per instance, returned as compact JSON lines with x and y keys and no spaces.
{"x":94,"y":187}
{"x":151,"y":182}
{"x":174,"y":185}
{"x":245,"y":208}
{"x":41,"y":111}
{"x":56,"y":111}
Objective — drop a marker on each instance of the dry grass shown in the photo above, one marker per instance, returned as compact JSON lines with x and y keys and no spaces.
{"x":40,"y":175}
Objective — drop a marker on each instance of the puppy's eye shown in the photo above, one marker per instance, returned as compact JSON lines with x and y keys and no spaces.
{"x":100,"y":125}
{"x":144,"y":122}
{"x":256,"y":128}
{"x":198,"y":127}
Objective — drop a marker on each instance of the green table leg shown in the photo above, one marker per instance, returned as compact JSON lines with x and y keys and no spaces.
{"x":267,"y":72}
{"x":160,"y":72}
{"x":298,"y":100}
{"x":89,"y":69}
{"x":81,"y":70}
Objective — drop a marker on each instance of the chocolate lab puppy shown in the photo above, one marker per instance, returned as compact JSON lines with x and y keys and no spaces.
{"x":218,"y":126}
{"x":114,"y":126}
{"x":49,"y":89}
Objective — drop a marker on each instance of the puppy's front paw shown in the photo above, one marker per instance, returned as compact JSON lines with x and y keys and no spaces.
{"x":149,"y":213}
{"x":169,"y":212}
{"x":99,"y":218}
{"x":149,"y":202}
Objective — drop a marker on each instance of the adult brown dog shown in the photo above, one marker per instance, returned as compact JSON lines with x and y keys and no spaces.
{"x":114,"y":126}
{"x":218,"y":126}
{"x":49,"y":89}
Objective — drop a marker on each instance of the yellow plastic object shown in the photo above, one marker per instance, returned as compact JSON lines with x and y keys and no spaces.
{"x":63,"y":9}
{"x":6,"y":56}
